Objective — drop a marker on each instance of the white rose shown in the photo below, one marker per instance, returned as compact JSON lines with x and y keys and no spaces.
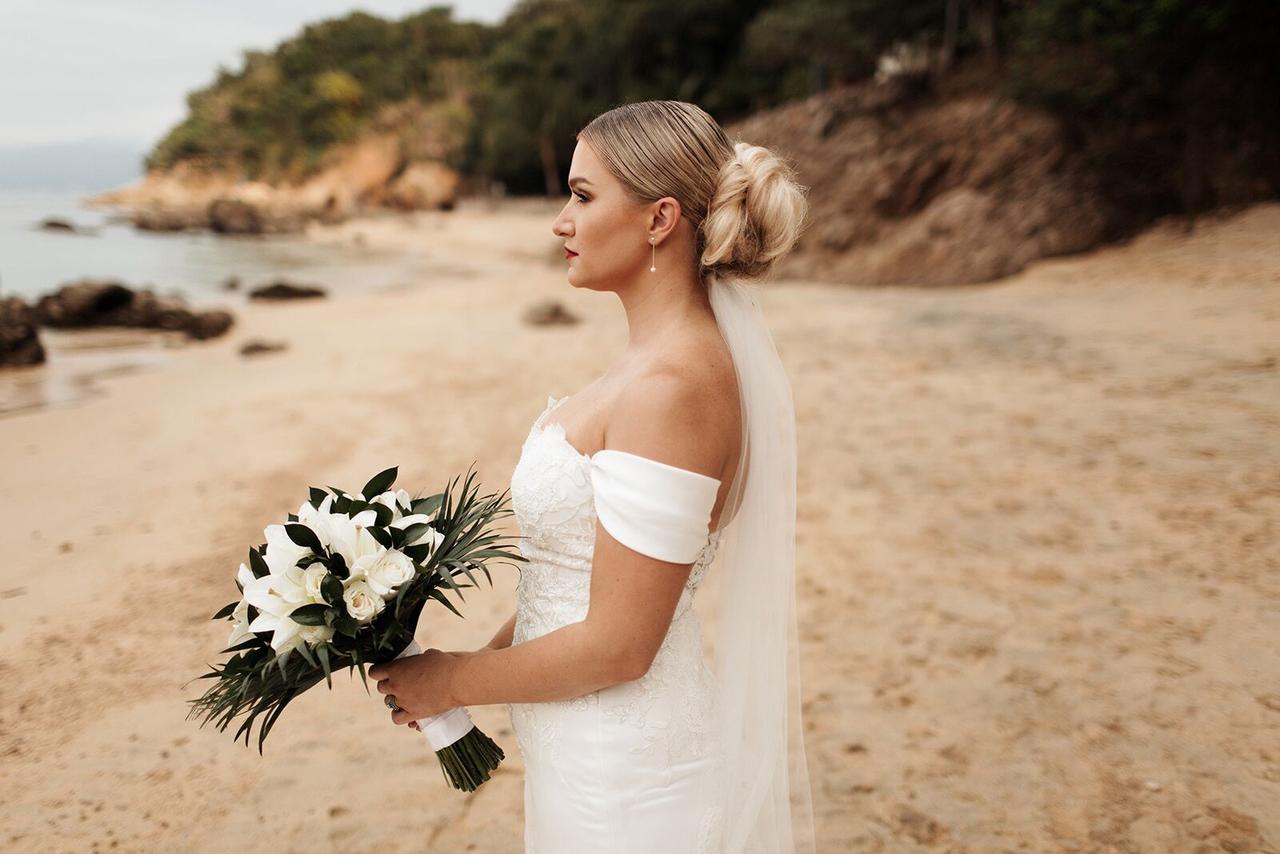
{"x":384,"y":571}
{"x":315,"y":635}
{"x":363,"y":604}
{"x":312,"y":577}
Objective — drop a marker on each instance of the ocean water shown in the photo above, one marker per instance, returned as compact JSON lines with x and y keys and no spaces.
{"x":34,"y":262}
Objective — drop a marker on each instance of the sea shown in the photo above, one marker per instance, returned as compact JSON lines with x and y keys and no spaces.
{"x":195,"y":265}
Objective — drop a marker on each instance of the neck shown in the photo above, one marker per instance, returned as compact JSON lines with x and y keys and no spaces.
{"x":661,"y":307}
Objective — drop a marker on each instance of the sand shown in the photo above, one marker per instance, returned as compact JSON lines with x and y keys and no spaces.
{"x":1038,"y":558}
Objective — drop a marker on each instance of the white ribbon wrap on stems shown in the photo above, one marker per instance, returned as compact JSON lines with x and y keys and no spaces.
{"x":447,"y":727}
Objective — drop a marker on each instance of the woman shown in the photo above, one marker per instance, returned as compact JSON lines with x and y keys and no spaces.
{"x":625,"y":492}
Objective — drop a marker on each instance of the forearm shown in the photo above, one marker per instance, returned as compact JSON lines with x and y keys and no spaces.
{"x":505,"y":635}
{"x":567,"y":662}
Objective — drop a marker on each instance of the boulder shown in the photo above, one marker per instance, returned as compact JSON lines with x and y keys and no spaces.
{"x":257,"y":347}
{"x":19,"y":338}
{"x":90,"y":303}
{"x":282,"y":290}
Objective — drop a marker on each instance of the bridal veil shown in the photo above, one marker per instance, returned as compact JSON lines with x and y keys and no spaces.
{"x":763,"y":793}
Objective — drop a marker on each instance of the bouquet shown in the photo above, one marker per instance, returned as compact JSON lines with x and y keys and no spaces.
{"x":343,"y":584}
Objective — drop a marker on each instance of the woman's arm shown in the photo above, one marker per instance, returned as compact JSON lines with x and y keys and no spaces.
{"x":568,"y":662}
{"x":633,"y":596}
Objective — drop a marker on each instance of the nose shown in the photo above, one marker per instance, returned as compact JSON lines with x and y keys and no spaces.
{"x":561,"y":226}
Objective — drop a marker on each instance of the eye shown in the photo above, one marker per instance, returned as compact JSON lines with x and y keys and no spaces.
{"x":580,"y":196}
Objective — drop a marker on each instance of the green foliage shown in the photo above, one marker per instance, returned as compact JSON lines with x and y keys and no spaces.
{"x":505,"y":102}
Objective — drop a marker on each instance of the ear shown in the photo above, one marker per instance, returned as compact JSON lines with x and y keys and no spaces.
{"x":664,"y":216}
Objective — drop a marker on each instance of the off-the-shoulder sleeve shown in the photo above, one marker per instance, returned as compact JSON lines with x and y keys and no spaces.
{"x":654,"y":508}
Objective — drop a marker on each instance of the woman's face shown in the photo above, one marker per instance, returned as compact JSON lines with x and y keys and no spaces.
{"x":606,"y":231}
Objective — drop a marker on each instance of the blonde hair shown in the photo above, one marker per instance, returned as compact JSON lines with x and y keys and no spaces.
{"x":742,"y":200}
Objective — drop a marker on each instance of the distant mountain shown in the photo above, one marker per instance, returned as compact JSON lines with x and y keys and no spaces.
{"x":88,"y":165}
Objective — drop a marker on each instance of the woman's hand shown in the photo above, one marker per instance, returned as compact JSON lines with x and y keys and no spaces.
{"x":421,"y":684}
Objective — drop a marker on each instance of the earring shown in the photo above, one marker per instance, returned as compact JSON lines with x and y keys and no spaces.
{"x":653,"y":262}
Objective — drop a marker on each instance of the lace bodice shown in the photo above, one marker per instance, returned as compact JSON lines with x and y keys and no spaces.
{"x":552,"y":498}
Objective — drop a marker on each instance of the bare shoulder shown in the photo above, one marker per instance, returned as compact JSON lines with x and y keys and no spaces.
{"x":681,"y":410}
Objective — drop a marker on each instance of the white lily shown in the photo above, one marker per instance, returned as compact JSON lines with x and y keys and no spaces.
{"x":240,"y":626}
{"x":432,"y":535}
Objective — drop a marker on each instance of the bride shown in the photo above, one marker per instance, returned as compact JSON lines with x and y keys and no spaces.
{"x":679,"y":460}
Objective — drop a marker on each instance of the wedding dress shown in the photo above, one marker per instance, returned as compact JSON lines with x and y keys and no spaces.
{"x":683,"y":759}
{"x":621,"y":769}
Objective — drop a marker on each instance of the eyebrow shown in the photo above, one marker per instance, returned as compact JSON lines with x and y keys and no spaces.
{"x":575,"y":180}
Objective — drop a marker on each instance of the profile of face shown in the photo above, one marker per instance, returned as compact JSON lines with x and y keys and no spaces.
{"x":606,"y":232}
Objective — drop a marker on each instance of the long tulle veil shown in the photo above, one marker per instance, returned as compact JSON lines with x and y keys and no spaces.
{"x":762,"y":791}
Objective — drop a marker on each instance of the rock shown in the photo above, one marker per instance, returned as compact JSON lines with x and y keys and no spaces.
{"x":62,"y":226}
{"x":19,"y":338}
{"x":233,"y":216}
{"x":210,"y":324}
{"x":423,"y":186}
{"x":175,"y":218}
{"x":90,"y":303}
{"x":256,"y":347}
{"x":80,"y":303}
{"x":910,"y":186}
{"x":280,"y":290}
{"x":548,"y":312}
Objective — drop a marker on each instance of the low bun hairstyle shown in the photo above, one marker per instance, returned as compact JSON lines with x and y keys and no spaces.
{"x":742,"y":200}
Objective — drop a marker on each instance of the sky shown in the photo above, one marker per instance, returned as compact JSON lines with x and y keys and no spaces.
{"x":114,"y":74}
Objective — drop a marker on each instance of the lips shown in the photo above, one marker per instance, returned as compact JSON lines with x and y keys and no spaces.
{"x":569,"y":253}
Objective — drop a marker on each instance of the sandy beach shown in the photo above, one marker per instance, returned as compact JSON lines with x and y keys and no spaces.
{"x":1038,"y":550}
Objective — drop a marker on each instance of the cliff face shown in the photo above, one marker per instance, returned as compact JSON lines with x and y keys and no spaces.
{"x":370,"y":171}
{"x":906,"y":188}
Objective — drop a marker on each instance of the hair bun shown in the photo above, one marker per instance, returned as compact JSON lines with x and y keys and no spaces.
{"x":755,"y":215}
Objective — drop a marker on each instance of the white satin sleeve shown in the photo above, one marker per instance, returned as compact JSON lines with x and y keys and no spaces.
{"x":652,"y":507}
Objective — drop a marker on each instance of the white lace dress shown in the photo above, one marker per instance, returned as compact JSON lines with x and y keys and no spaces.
{"x":614,"y":770}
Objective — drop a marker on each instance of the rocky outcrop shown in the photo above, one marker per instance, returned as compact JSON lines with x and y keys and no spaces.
{"x":906,"y":187}
{"x":19,"y":338}
{"x":368,"y":172}
{"x":282,"y":290}
{"x":90,"y":303}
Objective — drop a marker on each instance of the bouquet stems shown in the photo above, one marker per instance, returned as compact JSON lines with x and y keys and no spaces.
{"x":467,"y":756}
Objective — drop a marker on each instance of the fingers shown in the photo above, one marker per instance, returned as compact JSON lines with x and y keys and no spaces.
{"x":384,"y":687}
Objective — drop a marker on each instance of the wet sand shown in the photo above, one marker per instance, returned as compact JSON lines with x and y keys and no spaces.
{"x":1039,"y":568}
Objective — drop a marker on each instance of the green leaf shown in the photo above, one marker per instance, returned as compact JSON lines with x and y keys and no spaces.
{"x":306,"y":653}
{"x":305,"y":537}
{"x":416,"y":530}
{"x":257,"y":564}
{"x":381,"y":536}
{"x":317,"y":497}
{"x":440,"y":597}
{"x":225,"y":611}
{"x":429,"y":504}
{"x":331,"y":588}
{"x":323,"y":652}
{"x":384,"y":513}
{"x":309,"y":615}
{"x":380,"y":483}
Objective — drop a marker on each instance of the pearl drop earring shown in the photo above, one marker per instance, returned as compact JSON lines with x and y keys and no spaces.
{"x":653,"y":262}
